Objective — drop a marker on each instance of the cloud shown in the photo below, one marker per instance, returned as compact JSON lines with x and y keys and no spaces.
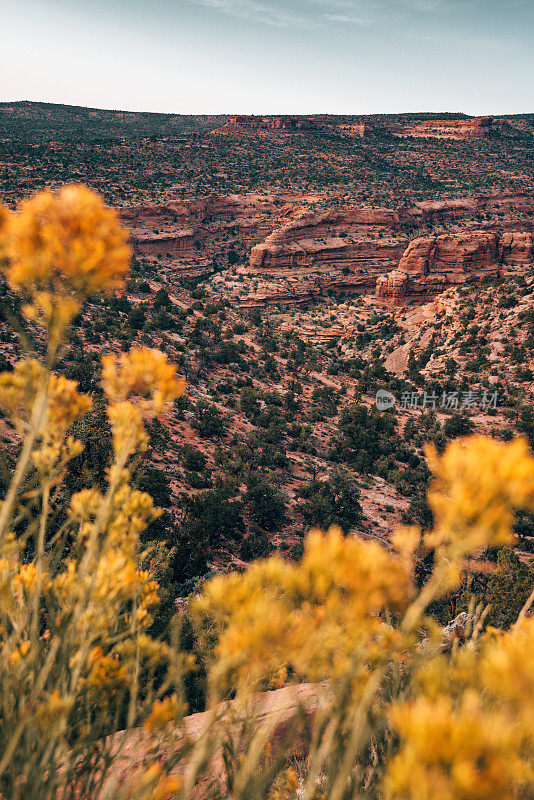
{"x":265,"y":13}
{"x":311,"y":13}
{"x":343,"y":18}
{"x":295,"y":13}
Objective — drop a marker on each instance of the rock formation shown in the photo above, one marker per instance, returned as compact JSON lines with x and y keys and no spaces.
{"x":432,"y":263}
{"x":433,"y":212}
{"x":452,"y":255}
{"x":242,"y":124}
{"x":516,"y":247}
{"x":393,"y":286}
{"x":474,"y":128}
{"x":468,"y":128}
{"x":351,"y":246}
{"x":410,"y":252}
{"x":184,"y":232}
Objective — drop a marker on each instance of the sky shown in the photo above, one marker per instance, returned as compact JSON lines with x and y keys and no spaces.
{"x":271,"y":56}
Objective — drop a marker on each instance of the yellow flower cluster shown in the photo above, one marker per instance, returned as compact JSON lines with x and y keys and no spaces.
{"x":19,"y":652}
{"x":18,"y":392}
{"x":24,"y":581}
{"x":143,"y":377}
{"x":114,"y":585}
{"x":105,"y":671}
{"x":139,"y":384}
{"x":19,"y":387}
{"x":307,"y":620}
{"x":479,"y":482}
{"x":53,"y":312}
{"x":74,"y":620}
{"x":285,"y":787}
{"x":127,"y":428}
{"x":66,"y":404}
{"x":65,"y":243}
{"x":163,"y":713}
{"x":84,"y":505}
{"x":132,"y":511}
{"x":154,"y":784}
{"x":52,"y":710}
{"x":469,"y":733}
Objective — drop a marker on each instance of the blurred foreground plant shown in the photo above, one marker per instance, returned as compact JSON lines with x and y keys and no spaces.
{"x":76,"y":663}
{"x":398,"y":713}
{"x":396,"y":717}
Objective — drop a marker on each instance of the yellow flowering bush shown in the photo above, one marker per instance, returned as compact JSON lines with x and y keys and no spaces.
{"x":468,"y":733}
{"x":305,"y":620}
{"x":76,"y":662}
{"x":67,"y":243}
{"x":393,"y":712}
{"x":143,"y":377}
{"x":478,"y":484}
{"x":399,"y":719}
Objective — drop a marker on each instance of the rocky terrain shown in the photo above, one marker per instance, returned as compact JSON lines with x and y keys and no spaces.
{"x":448,"y":129}
{"x":292,"y":254}
{"x":291,"y":277}
{"x":458,"y":129}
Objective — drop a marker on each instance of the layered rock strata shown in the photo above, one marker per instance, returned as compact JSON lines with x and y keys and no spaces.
{"x":363,"y":249}
{"x":474,"y":128}
{"x":409,"y":252}
{"x":430,"y":264}
{"x":348,"y":248}
{"x":460,"y":129}
{"x":184,"y":232}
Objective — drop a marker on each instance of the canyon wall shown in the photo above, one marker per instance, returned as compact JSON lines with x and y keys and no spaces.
{"x":459,"y":129}
{"x":406,"y":253}
{"x":372,"y":248}
{"x":431,"y":264}
{"x":185,"y":232}
{"x":351,"y":245}
{"x":474,"y":128}
{"x":248,"y":124}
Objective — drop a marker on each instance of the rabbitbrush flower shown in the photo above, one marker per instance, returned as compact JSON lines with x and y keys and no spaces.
{"x":67,"y":243}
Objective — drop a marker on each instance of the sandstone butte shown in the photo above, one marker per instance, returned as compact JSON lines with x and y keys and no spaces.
{"x":468,"y":128}
{"x":296,"y":252}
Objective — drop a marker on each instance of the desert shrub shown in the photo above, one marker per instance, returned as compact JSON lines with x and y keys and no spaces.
{"x":77,"y":663}
{"x":193,"y":459}
{"x":162,"y":299}
{"x":208,"y":421}
{"x":505,"y":592}
{"x":213,"y":516}
{"x":333,"y":501}
{"x":136,"y":318}
{"x":255,"y":545}
{"x":525,"y":424}
{"x":265,"y":503}
{"x":324,"y":402}
{"x":364,"y":436}
{"x":457,"y":425}
{"x":524,"y":530}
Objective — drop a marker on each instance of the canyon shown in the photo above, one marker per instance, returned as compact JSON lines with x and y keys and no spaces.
{"x":458,"y":129}
{"x":290,"y":273}
{"x":290,"y":252}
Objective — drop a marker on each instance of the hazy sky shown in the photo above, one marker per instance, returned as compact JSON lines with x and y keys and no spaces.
{"x":271,"y":56}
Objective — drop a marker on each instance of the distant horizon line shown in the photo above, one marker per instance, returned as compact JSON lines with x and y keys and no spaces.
{"x":260,"y":114}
